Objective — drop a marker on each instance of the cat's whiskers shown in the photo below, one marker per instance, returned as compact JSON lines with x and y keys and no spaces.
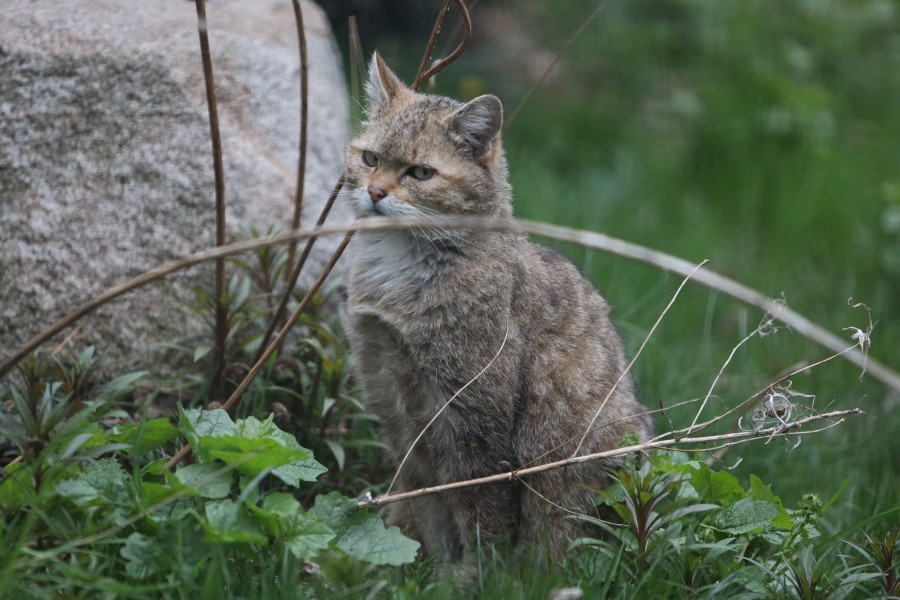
{"x":439,"y":232}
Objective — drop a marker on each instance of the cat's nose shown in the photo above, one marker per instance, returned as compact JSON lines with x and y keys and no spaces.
{"x":377,"y":192}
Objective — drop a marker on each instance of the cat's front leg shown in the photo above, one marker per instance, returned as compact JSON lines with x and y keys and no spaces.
{"x":485,"y":515}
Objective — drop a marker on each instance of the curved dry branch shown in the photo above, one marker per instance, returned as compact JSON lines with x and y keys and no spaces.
{"x":589,"y":239}
{"x":423,"y":75}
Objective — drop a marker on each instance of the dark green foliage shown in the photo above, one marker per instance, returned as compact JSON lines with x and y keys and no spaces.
{"x":99,"y":501}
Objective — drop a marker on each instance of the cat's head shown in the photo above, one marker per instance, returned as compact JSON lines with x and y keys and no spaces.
{"x":422,"y":154}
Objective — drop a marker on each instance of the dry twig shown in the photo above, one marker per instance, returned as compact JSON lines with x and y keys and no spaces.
{"x":589,"y":239}
{"x":219,"y":171}
{"x":780,"y":430}
{"x":304,"y":111}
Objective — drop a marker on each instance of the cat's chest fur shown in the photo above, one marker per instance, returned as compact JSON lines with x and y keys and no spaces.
{"x":421,"y":288}
{"x":424,"y":320}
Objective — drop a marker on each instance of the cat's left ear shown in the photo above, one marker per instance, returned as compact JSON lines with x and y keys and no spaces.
{"x":479,"y":122}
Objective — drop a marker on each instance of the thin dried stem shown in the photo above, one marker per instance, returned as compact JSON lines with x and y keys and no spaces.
{"x":589,"y":239}
{"x":458,"y":29}
{"x":429,"y":47}
{"x":294,"y":275}
{"x":760,"y":330}
{"x":565,"y":47}
{"x":357,"y":68}
{"x":221,"y":309}
{"x":634,"y":358}
{"x":548,"y":501}
{"x":768,"y":433}
{"x":304,"y":111}
{"x":446,"y":404}
{"x":58,"y":348}
{"x":423,"y":75}
{"x":261,"y":361}
{"x":694,"y":427}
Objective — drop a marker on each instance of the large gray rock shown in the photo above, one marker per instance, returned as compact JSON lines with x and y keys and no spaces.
{"x":105,"y":156}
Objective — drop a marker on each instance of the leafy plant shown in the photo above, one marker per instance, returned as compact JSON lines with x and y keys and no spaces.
{"x":880,"y":557}
{"x":700,"y":530}
{"x":95,"y":499}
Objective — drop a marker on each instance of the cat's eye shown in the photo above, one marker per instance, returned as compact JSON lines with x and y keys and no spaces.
{"x":370,"y":158}
{"x":421,"y":172}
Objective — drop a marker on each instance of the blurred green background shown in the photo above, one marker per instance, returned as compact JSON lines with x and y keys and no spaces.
{"x":764,"y":136}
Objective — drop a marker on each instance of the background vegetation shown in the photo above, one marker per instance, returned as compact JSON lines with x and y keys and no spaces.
{"x":760,"y":136}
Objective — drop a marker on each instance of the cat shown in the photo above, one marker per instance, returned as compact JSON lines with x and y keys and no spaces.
{"x":428,"y":309}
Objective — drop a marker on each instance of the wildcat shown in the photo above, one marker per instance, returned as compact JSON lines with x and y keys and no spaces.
{"x":428,"y":309}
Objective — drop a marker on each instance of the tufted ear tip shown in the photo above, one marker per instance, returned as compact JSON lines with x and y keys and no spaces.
{"x":479,"y":122}
{"x":382,"y":85}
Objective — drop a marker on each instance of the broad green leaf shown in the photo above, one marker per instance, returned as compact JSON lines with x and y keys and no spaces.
{"x":368,"y":539}
{"x":336,"y":510}
{"x":151,"y":493}
{"x":270,"y":520}
{"x":303,"y":470}
{"x":302,"y":467}
{"x":306,"y":537}
{"x":362,"y":534}
{"x":761,"y":491}
{"x":103,"y":480}
{"x":251,"y":456}
{"x":304,"y":534}
{"x":195,"y":423}
{"x":77,"y":490}
{"x":101,"y":484}
{"x":251,"y":445}
{"x":141,"y":556}
{"x":206,"y":480}
{"x":145,"y":437}
{"x":720,"y":487}
{"x":228,"y":521}
{"x":746,"y":515}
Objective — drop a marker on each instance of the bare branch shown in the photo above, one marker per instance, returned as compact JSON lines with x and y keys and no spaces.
{"x":297,"y":269}
{"x":672,"y":442}
{"x":589,"y":239}
{"x":304,"y":111}
{"x":424,"y":75}
{"x":219,"y":172}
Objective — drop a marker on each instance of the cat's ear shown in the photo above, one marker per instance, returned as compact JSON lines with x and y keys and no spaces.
{"x":479,"y":123}
{"x":382,"y":85}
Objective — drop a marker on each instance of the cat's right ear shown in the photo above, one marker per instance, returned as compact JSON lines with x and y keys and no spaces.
{"x":382,"y":85}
